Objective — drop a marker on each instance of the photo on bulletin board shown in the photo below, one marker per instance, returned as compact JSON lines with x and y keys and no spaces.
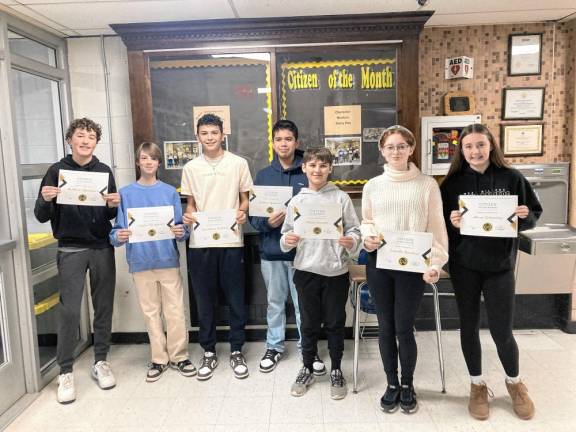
{"x":179,"y":153}
{"x":346,"y":150}
{"x":372,"y":134}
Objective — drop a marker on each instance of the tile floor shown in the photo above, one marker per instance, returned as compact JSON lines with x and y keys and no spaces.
{"x":262,"y":402}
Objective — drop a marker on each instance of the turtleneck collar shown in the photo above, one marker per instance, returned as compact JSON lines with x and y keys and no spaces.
{"x":393,"y":175}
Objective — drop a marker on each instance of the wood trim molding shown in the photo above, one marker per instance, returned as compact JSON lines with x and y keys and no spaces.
{"x":327,"y":28}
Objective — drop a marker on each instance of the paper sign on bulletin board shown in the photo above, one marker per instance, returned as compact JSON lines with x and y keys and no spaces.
{"x":221,"y":111}
{"x":343,"y":120}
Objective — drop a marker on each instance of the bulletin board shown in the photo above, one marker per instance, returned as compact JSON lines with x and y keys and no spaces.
{"x":343,"y":104}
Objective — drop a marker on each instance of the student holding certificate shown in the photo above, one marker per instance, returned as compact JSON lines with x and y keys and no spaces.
{"x":217,"y":181}
{"x":151,"y":206}
{"x":277,"y":267}
{"x":82,"y":233}
{"x":321,"y":269}
{"x":402,"y":199}
{"x":484,"y":266}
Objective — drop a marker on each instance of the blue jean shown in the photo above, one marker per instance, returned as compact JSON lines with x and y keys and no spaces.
{"x":278,"y":278}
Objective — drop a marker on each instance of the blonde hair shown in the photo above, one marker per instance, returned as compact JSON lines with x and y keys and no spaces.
{"x":152,"y":150}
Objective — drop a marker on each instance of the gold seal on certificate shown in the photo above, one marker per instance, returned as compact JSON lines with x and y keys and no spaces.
{"x":150,"y":223}
{"x":215,"y":229}
{"x":265,"y":200}
{"x":84,"y":188}
{"x":489,"y":215}
{"x":319,"y":221}
{"x":404,"y":251}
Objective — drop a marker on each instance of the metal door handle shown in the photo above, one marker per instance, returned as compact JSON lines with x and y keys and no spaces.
{"x":564,"y":247}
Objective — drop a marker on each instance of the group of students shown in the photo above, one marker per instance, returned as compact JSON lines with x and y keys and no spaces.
{"x":313,"y":272}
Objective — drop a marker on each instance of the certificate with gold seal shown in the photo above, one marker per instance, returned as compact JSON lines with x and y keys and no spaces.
{"x":83,"y":188}
{"x":318,"y":221}
{"x":265,"y":200}
{"x":215,"y":228}
{"x":404,"y":251}
{"x":488,"y":215}
{"x":150,"y":223}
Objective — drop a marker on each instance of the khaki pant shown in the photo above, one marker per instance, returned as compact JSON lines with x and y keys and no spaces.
{"x":161,"y":294}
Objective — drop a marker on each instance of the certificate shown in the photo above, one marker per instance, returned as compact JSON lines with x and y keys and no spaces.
{"x":214,"y":228}
{"x":405,"y":251}
{"x":82,"y":188}
{"x":150,"y":223}
{"x":320,"y":221}
{"x":522,"y":140}
{"x":489,"y":215}
{"x":265,"y":200}
{"x":524,"y":54}
{"x":526,"y":103}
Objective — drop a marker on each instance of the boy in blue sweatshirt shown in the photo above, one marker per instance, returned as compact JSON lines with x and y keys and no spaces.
{"x":155,"y":266}
{"x":276,"y":266}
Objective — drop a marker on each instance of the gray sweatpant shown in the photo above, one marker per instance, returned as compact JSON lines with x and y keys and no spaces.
{"x":72,"y":267}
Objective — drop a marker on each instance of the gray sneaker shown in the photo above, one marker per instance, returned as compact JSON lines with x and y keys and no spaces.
{"x":207,"y":365}
{"x":318,"y":367}
{"x":304,"y":379}
{"x":238,"y":365}
{"x":338,"y":387}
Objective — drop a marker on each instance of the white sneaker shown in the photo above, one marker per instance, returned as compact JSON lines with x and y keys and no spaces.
{"x":66,"y":390}
{"x":102,"y":373}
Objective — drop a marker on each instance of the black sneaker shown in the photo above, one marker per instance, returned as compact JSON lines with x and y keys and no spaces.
{"x":389,"y":402}
{"x":207,"y":365}
{"x":408,"y":402}
{"x":318,"y":367}
{"x":270,"y":360}
{"x":304,"y":379}
{"x":238,"y":365}
{"x":338,"y":387}
{"x":155,"y":371}
{"x":185,"y":367}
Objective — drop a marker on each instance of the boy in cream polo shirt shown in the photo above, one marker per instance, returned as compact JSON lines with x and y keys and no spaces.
{"x":217,"y":180}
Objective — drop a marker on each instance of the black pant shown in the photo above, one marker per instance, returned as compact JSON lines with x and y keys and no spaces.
{"x":498,"y":291}
{"x":72,"y":267}
{"x":397,"y":296}
{"x":212,"y":269}
{"x":322,"y":299}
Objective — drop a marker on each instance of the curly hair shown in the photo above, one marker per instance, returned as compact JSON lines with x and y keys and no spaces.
{"x":86,"y":124}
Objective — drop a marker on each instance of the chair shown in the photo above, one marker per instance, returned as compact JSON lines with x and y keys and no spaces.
{"x":357,"y":277}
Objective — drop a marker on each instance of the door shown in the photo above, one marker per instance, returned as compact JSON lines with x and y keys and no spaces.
{"x":11,"y":359}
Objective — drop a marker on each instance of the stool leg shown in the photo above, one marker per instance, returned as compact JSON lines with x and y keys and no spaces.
{"x":356,"y":335}
{"x":439,"y":335}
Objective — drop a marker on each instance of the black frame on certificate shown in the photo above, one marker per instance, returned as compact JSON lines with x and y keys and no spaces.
{"x":503,"y":136}
{"x":510,"y":45}
{"x":508,"y":90}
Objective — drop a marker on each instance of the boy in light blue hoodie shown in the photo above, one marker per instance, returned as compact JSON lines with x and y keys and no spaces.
{"x":155,"y":266}
{"x":321,"y":275}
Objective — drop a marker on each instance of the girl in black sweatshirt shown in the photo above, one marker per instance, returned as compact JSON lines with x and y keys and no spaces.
{"x":485,"y":265}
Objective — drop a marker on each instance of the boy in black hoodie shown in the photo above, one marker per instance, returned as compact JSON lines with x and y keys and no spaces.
{"x":82,"y":234}
{"x":485,"y":265}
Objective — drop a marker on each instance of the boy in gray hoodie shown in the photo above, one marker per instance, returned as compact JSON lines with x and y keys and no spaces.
{"x":321,"y":275}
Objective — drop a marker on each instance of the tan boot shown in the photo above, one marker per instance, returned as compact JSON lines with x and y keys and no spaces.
{"x":523,"y":405}
{"x":478,"y":405}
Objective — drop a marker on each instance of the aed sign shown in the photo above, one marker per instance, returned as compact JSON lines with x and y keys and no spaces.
{"x":459,"y":67}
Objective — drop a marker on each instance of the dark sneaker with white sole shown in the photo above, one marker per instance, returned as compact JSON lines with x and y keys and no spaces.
{"x":207,"y":365}
{"x":238,"y":365}
{"x":319,"y":368}
{"x":390,"y":401}
{"x":270,"y":360}
{"x":155,"y":371}
{"x":408,"y":402}
{"x":185,"y":367}
{"x":304,"y":380}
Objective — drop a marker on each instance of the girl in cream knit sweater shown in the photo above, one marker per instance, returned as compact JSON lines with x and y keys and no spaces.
{"x":401,"y":199}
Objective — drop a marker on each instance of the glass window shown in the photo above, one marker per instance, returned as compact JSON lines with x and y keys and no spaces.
{"x":38,"y":119}
{"x":31,"y":49}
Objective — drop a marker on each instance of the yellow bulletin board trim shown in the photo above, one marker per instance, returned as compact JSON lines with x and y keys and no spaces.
{"x":324,"y":64}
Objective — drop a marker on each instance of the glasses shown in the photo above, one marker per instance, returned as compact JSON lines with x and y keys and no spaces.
{"x":400,"y":148}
